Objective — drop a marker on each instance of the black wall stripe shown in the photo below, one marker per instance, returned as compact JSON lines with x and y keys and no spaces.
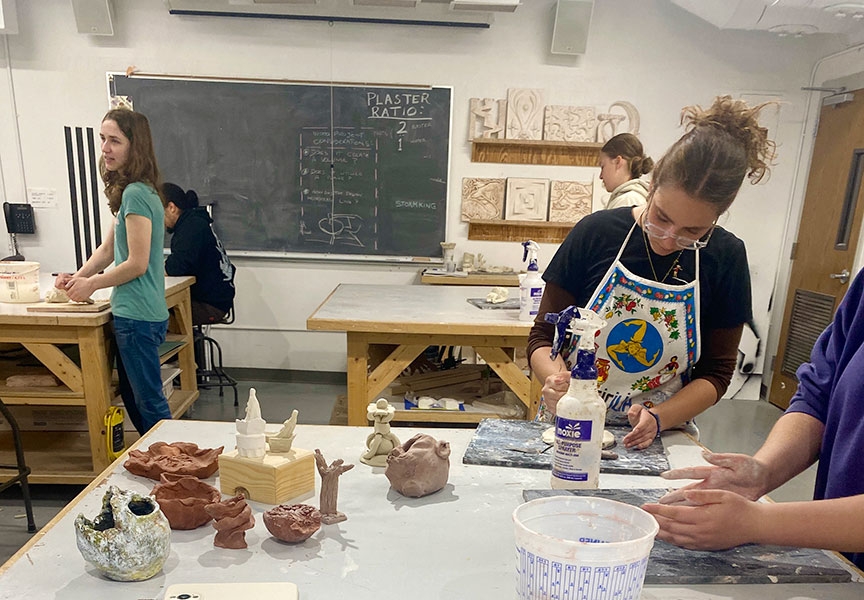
{"x":73,"y":195}
{"x":94,"y":187}
{"x":85,"y":200}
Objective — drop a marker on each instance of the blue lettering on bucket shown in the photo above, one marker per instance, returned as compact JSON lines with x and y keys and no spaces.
{"x":592,"y":540}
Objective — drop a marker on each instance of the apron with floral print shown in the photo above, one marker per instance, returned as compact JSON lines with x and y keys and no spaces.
{"x":650,"y":343}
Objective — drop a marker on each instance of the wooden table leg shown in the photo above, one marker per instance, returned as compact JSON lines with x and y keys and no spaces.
{"x":501,"y":363}
{"x":182,"y":312}
{"x":96,"y":373}
{"x":358,"y":373}
{"x":536,"y":392}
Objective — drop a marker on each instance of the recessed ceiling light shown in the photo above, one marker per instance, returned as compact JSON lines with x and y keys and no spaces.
{"x":796,"y":29}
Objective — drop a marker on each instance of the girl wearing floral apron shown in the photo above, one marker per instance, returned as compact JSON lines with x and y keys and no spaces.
{"x":673,"y":287}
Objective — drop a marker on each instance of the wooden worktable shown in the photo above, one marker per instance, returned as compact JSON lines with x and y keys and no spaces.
{"x":412,"y":318}
{"x":457,"y":543}
{"x":78,"y":456}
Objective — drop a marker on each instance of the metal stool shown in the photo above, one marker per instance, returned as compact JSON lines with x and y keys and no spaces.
{"x":208,"y":356}
{"x":23,"y":469}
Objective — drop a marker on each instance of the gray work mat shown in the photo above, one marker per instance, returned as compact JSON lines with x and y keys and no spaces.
{"x":483,"y":304}
{"x":502,"y":442}
{"x":751,"y":563}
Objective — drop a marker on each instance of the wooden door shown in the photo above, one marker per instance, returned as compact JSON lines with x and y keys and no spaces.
{"x":827,"y":239}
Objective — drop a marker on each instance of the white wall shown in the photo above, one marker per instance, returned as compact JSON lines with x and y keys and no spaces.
{"x":648,"y":52}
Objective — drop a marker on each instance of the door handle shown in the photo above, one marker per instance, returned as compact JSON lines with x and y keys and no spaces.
{"x":843,"y":276}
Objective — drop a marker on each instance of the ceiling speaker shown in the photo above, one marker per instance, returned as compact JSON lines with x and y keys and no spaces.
{"x":93,"y":17}
{"x":570,"y":32}
{"x":8,"y":17}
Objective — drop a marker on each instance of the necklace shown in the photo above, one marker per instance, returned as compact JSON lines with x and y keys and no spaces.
{"x":673,"y":267}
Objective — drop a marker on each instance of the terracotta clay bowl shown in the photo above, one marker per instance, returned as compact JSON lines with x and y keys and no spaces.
{"x":292,"y":522}
{"x":182,"y":499}
{"x":177,"y":458}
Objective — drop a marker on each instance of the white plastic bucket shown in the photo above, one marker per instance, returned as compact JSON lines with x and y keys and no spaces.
{"x":581,"y":547}
{"x":19,"y":281}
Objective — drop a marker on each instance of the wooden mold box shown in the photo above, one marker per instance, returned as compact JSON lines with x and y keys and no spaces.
{"x":272,"y":479}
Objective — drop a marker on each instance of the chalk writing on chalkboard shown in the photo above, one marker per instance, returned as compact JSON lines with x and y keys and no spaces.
{"x":305,"y":168}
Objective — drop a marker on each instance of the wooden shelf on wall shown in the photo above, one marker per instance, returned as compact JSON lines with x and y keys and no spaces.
{"x":535,"y":152}
{"x":518,"y":231}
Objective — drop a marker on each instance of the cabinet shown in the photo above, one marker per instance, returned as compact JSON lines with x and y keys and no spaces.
{"x":75,"y":348}
{"x":529,"y":152}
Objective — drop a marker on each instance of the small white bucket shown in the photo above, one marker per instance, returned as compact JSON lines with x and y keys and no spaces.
{"x":581,"y":547}
{"x":19,"y":281}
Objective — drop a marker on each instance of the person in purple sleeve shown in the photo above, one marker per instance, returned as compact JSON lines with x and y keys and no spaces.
{"x":824,"y":421}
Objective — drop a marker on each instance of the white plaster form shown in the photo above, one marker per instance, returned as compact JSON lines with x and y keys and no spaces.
{"x":251,"y":441}
{"x":569,"y":201}
{"x":482,"y":198}
{"x":487,"y":118}
{"x":570,"y":124}
{"x":524,"y":114}
{"x":527,"y":199}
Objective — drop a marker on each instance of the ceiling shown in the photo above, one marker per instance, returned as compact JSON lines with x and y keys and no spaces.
{"x":783,"y":17}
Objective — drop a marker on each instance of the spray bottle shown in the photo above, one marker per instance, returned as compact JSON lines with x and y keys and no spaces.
{"x":531,"y":286}
{"x":581,"y":412}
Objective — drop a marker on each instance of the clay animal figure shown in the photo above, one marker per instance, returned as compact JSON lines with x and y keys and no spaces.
{"x":232,"y":518}
{"x":382,"y":440}
{"x":419,"y":467}
{"x":130,"y":538}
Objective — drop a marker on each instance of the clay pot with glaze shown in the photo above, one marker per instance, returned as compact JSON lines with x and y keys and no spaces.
{"x":419,"y":467}
{"x":292,"y":522}
{"x":182,"y":499}
{"x":130,"y":538}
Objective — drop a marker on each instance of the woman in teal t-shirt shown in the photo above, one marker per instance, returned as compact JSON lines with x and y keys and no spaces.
{"x":134,"y":244}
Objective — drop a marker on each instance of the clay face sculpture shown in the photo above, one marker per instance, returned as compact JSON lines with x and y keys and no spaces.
{"x":419,"y":467}
{"x":233,"y":517}
{"x":129,"y":540}
{"x":180,"y":458}
{"x":182,"y":499}
{"x":292,"y":522}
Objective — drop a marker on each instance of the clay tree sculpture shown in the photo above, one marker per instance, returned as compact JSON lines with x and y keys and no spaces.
{"x":232,"y":518}
{"x":280,"y":443}
{"x":292,"y":522}
{"x":182,"y":499}
{"x":330,"y":487}
{"x":419,"y":467}
{"x":130,"y":538}
{"x":382,"y":440}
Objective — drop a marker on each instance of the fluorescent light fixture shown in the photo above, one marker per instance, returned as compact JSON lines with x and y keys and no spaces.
{"x":391,"y":3}
{"x":486,"y":5}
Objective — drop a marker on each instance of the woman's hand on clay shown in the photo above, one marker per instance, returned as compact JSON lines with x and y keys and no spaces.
{"x":644,"y":428}
{"x":737,"y":473}
{"x":61,"y":280}
{"x":79,"y":289}
{"x":556,"y":385}
{"x":708,"y":520}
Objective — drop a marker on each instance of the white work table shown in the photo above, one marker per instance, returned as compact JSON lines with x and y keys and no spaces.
{"x":455,"y":544}
{"x":413,"y":317}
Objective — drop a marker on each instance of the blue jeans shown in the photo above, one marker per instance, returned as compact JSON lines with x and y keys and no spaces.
{"x":139,"y":370}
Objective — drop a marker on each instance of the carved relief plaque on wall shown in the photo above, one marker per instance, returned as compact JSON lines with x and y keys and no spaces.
{"x":487,"y":118}
{"x":569,"y":201}
{"x":570,"y":124}
{"x":524,"y":114}
{"x":482,"y":198}
{"x":527,"y":199}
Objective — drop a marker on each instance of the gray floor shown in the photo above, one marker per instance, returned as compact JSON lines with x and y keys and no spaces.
{"x":731,"y":426}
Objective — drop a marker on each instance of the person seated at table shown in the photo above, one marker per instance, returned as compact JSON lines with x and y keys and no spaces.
{"x":824,"y":421}
{"x":673,"y":286}
{"x":196,"y":250}
{"x":622,"y":163}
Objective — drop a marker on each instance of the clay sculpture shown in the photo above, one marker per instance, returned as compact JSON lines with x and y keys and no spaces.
{"x":280,"y":443}
{"x":419,"y":467}
{"x":182,"y":499}
{"x":330,"y":487}
{"x":231,"y":520}
{"x":292,"y":522}
{"x":382,"y":440}
{"x":180,"y":458}
{"x":130,"y":538}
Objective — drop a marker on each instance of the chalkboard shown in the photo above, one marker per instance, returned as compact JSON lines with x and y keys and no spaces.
{"x":305,"y":168}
